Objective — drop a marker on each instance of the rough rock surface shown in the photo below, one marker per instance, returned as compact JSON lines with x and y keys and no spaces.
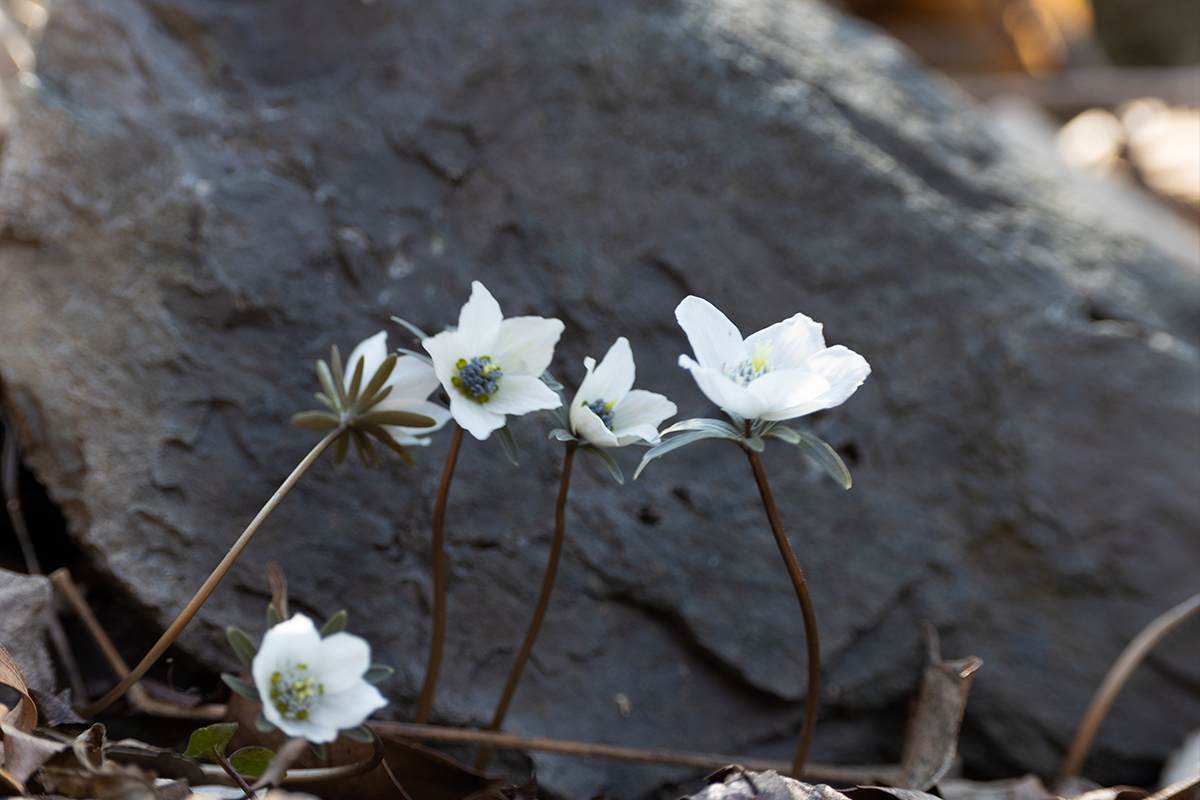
{"x":23,"y":601}
{"x":203,"y":196}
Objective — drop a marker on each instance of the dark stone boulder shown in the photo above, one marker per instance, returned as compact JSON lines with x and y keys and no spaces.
{"x":201,"y":197}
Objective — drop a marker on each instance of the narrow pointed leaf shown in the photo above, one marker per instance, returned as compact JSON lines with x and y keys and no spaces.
{"x":263,"y":724}
{"x":340,"y":449}
{"x":552,"y":382}
{"x":417,"y":333}
{"x":334,"y":624}
{"x":674,"y":443}
{"x":365,"y":404}
{"x":377,"y":673}
{"x":318,"y":750}
{"x":339,"y":380}
{"x":711,"y":427}
{"x":329,"y":385}
{"x":355,"y":382}
{"x":360,"y":734}
{"x":242,"y":646}
{"x":826,"y":457}
{"x":563,"y":435}
{"x":362,"y":445}
{"x":324,"y":400}
{"x":380,"y":377}
{"x":754,"y":443}
{"x":273,"y":616}
{"x":785,"y":433}
{"x":405,"y":419}
{"x":509,"y":444}
{"x":386,"y":439}
{"x":211,"y":739}
{"x":422,"y":356}
{"x":244,"y":688}
{"x":315,"y":420}
{"x":251,"y":761}
{"x":608,"y":461}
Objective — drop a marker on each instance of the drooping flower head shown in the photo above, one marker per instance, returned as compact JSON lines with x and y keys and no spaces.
{"x":490,"y":366}
{"x":411,"y":381}
{"x":778,"y":373}
{"x":607,"y":411}
{"x":312,"y":686}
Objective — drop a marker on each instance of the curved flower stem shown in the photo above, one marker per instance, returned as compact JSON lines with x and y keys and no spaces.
{"x":234,"y":775}
{"x":539,"y":613}
{"x":810,"y":620}
{"x":185,"y":616}
{"x":438,"y":640}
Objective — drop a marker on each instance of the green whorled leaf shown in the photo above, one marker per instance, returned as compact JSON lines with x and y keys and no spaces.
{"x":366,"y":450}
{"x":783,"y":432}
{"x":754,"y":443}
{"x":340,"y":449}
{"x":605,"y":458}
{"x":339,"y":380}
{"x":360,"y":734}
{"x":211,"y":740}
{"x":417,"y":333}
{"x":355,"y":381}
{"x":562,"y":435}
{"x":710,"y":427}
{"x":739,"y":422}
{"x":675,"y":442}
{"x":759,"y":427}
{"x":386,"y":439}
{"x":262,"y":723}
{"x":242,"y":645}
{"x":552,"y":382}
{"x":315,"y":420}
{"x":422,"y":356}
{"x":365,"y":405}
{"x":325,"y":376}
{"x":404,"y":419}
{"x":380,"y":377}
{"x":273,"y":616}
{"x":377,"y":673}
{"x":244,"y":688}
{"x":334,"y":624}
{"x":509,"y":445}
{"x":324,"y":400}
{"x":251,"y":761}
{"x":826,"y":457}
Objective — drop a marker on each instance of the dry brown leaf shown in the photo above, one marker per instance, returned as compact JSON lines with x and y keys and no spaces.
{"x":25,"y":753}
{"x":931,"y":740}
{"x":24,"y":716}
{"x":735,"y":783}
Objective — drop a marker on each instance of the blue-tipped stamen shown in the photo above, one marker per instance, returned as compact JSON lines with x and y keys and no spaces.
{"x":752,"y":368}
{"x":477,"y":379}
{"x":604,"y":411}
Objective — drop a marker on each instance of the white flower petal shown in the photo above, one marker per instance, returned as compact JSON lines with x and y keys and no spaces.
{"x":373,"y":351}
{"x":412,"y":377}
{"x":479,"y":322}
{"x":723,"y":390}
{"x":304,"y":728}
{"x":520,"y":394}
{"x":613,"y":379}
{"x":785,"y":389}
{"x":587,"y":425}
{"x":638,"y":415}
{"x":445,"y":350}
{"x":348,"y":708}
{"x":715,"y":340}
{"x":340,"y":660}
{"x":290,"y":642}
{"x":525,"y":345}
{"x":474,"y":417}
{"x":791,"y":342}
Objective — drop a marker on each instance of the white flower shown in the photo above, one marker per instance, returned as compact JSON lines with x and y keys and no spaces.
{"x":781,"y":372}
{"x":411,"y":380}
{"x":490,"y":366}
{"x":314,"y":687}
{"x":606,"y":412}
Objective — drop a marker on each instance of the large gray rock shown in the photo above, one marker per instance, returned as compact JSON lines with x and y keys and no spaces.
{"x":203,"y":196}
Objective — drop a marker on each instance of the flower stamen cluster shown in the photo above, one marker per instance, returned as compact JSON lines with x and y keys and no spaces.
{"x":477,"y":379}
{"x":603,"y":410}
{"x":754,"y":367}
{"x":293,"y":694}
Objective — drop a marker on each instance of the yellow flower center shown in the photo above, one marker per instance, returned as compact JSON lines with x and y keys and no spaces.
{"x":752,"y":368}
{"x":293,"y":692}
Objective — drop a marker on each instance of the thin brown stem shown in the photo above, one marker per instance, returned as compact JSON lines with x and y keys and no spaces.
{"x":539,"y":613}
{"x":438,"y":639}
{"x":1118,"y":675}
{"x":812,"y":696}
{"x":234,"y":774}
{"x":185,"y":616}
